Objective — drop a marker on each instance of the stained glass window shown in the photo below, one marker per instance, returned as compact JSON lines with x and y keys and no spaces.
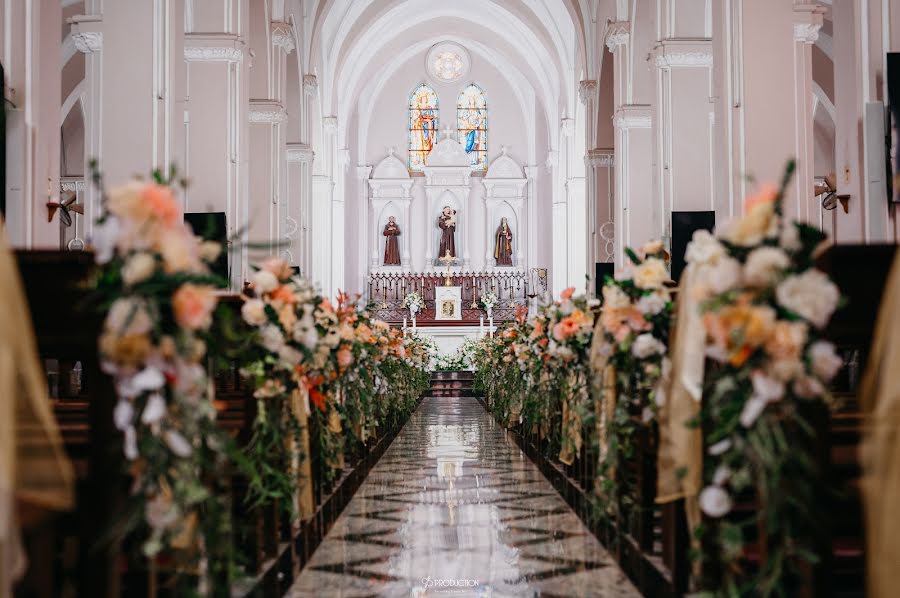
{"x":423,"y":125}
{"x":471,"y":124}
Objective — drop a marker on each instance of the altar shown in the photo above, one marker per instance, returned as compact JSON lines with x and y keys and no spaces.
{"x":449,"y":338}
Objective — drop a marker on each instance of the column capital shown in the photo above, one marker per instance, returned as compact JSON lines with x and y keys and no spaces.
{"x":552,"y":159}
{"x":266,"y":112}
{"x":283,"y":36}
{"x":88,"y":42}
{"x":600,"y":157}
{"x":531,"y":171}
{"x":808,"y":19}
{"x":363,"y":172}
{"x":632,"y":116}
{"x":587,"y":90}
{"x":310,"y":85}
{"x":617,"y":33}
{"x":213,"y":54}
{"x":300,"y":152}
{"x":330,"y":124}
{"x":567,"y":126}
{"x":677,"y":53}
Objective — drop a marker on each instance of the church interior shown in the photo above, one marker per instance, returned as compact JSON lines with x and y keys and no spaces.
{"x":477,"y":298}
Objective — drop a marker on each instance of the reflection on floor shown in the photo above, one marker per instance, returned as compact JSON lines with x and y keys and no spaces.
{"x":455,"y":509}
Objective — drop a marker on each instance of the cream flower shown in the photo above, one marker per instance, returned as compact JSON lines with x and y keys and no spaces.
{"x":128,"y":316}
{"x":265,"y":281}
{"x":193,"y":306}
{"x":614,"y":297}
{"x":652,"y":248}
{"x":790,"y":238}
{"x":271,"y":338}
{"x":138,"y":268}
{"x":210,"y":251}
{"x":810,"y":295}
{"x":764,"y":265}
{"x":155,"y":410}
{"x":652,"y":304}
{"x":254,"y":312}
{"x":177,"y":443}
{"x":703,"y":248}
{"x":719,"y":276}
{"x":758,"y":223}
{"x":825,"y":361}
{"x":714,"y":501}
{"x":650,"y":274}
{"x":646,"y":345}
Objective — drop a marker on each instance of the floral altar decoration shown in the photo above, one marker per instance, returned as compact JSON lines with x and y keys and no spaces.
{"x":159,"y":297}
{"x":763,"y":306}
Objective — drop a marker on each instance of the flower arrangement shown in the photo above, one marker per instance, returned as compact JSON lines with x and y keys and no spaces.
{"x":764,"y":306}
{"x":159,"y":297}
{"x":488,"y":300}
{"x":535,"y":372}
{"x":630,"y":348}
{"x":414,"y":302}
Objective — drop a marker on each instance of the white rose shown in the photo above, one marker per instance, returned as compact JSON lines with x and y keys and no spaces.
{"x":265,"y":281}
{"x":646,"y":345}
{"x":137,"y":268}
{"x":721,"y":475}
{"x":254,"y":312}
{"x":123,"y":413}
{"x":825,"y":361}
{"x":271,"y":338}
{"x":614,"y":297}
{"x":764,"y":265}
{"x":703,"y":248}
{"x":753,"y":408}
{"x":177,"y":443}
{"x":289,"y":356}
{"x":714,"y":501}
{"x":210,"y":251}
{"x":154,"y":410}
{"x":128,"y":316}
{"x":652,"y":304}
{"x":790,"y":238}
{"x":719,"y":276}
{"x":766,"y":388}
{"x":810,"y":295}
{"x":650,"y":274}
{"x":651,"y":248}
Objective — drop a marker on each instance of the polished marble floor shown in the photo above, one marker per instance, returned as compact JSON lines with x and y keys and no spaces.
{"x":454,"y":508}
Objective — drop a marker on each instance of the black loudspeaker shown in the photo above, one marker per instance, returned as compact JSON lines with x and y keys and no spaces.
{"x":211,"y":227}
{"x":601,"y":271}
{"x":683,"y":226}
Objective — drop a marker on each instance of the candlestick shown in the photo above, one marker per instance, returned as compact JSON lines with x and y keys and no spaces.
{"x":491,"y":326}
{"x":481,"y":327}
{"x":404,"y":324}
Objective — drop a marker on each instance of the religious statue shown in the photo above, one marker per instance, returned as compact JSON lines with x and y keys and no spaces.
{"x":503,"y":244}
{"x":391,"y":246}
{"x":447,"y":224}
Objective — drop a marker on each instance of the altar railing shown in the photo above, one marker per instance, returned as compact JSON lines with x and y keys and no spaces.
{"x":387,"y":292}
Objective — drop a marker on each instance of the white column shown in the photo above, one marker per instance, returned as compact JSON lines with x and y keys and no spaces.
{"x":364,"y":218}
{"x":310,"y":93}
{"x":531,"y":221}
{"x":633,"y":150}
{"x":587,"y":93}
{"x":601,"y":164}
{"x":299,"y":160}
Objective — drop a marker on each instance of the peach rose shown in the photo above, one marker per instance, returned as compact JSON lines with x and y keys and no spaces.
{"x":759,"y":221}
{"x":279,"y":267}
{"x":567,"y":294}
{"x":161,"y":203}
{"x":193,"y":306}
{"x":344,"y":357}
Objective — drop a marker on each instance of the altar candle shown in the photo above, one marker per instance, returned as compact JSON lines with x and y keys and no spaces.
{"x":404,"y":324}
{"x":481,"y":327}
{"x":491,"y":326}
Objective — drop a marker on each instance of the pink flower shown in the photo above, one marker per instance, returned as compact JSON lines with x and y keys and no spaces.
{"x":193,"y":306}
{"x":344,"y":358}
{"x":279,"y":267}
{"x":162,"y":203}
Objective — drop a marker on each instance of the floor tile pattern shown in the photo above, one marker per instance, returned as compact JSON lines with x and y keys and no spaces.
{"x":454,"y":508}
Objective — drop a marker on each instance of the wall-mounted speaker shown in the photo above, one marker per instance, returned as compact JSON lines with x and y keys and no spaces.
{"x":601,"y":271}
{"x":684,"y":224}
{"x":211,"y":226}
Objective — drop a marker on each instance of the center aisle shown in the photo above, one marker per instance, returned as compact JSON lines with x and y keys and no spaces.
{"x":455,"y":508}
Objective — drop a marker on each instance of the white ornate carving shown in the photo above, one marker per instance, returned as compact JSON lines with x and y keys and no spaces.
{"x":363,"y":172}
{"x":447,"y":62}
{"x":504,"y":167}
{"x":268,"y":115}
{"x":448,"y":152}
{"x":807,"y":33}
{"x":71,"y":186}
{"x":88,"y":42}
{"x":329,"y":123}
{"x":567,"y":126}
{"x":283,"y":37}
{"x":531,"y":171}
{"x":300,"y":152}
{"x":617,"y":33}
{"x":608,"y":234}
{"x":632,"y":121}
{"x":310,"y":85}
{"x":213,"y":54}
{"x":391,"y":167}
{"x":670,"y":59}
{"x":587,"y":90}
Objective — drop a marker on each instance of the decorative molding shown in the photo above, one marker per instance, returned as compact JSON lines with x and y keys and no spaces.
{"x":600,"y":158}
{"x":587,"y":90}
{"x":670,"y":59}
{"x":617,"y":33}
{"x":552,"y":159}
{"x":567,"y":126}
{"x":88,"y":42}
{"x":283,"y":37}
{"x":310,"y":85}
{"x":363,"y":172}
{"x":329,"y":123}
{"x":808,"y":19}
{"x":531,"y":171}
{"x":270,"y":114}
{"x":300,"y":152}
{"x":213,"y":54}
{"x":71,"y":186}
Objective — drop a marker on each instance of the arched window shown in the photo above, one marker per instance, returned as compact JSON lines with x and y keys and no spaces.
{"x":471,"y":125}
{"x":423,"y":125}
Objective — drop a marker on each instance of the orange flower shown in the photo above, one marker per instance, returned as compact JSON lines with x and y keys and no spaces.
{"x":162,"y":203}
{"x":567,"y":294}
{"x":193,"y":306}
{"x":767,"y":193}
{"x":284,"y":294}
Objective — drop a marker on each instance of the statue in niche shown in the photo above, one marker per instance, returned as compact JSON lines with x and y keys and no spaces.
{"x":447,"y":223}
{"x":503,"y":244}
{"x":391,"y":246}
